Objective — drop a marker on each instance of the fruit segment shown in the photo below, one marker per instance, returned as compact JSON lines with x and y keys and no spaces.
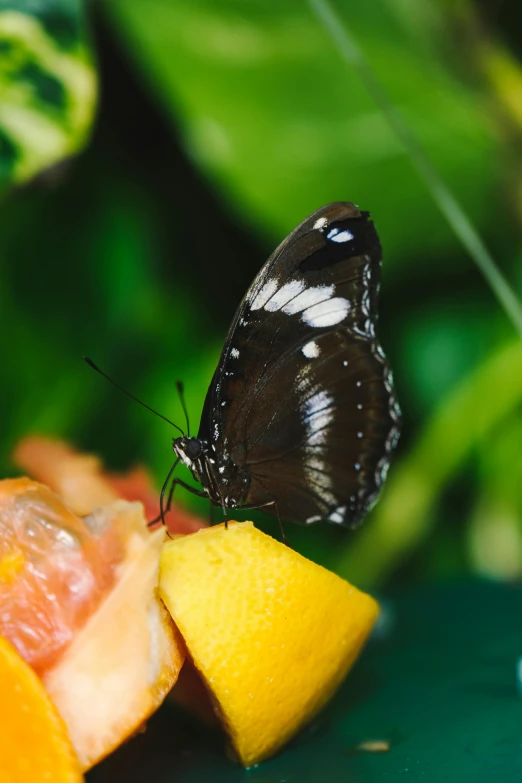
{"x":84,"y":485}
{"x":54,"y":570}
{"x":271,"y":633}
{"x":34,"y":745}
{"x":123,"y":662}
{"x":78,"y":599}
{"x":77,"y":478}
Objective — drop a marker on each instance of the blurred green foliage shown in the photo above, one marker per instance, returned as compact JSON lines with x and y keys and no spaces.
{"x":219,"y":128}
{"x":267,"y":109}
{"x":47,"y":85}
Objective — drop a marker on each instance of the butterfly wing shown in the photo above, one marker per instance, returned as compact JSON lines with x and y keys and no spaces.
{"x":302,"y":398}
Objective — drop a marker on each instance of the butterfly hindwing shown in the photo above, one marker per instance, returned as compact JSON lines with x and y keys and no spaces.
{"x":302,"y":400}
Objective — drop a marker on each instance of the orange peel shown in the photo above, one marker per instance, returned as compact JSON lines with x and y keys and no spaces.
{"x":34,"y":744}
{"x":271,"y":633}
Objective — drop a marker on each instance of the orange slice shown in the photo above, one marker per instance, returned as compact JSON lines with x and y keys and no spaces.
{"x":54,"y":570}
{"x":271,"y":633}
{"x":34,"y":745}
{"x":78,"y":600}
{"x":82,"y":483}
{"x":122,"y":664}
{"x":77,"y":478}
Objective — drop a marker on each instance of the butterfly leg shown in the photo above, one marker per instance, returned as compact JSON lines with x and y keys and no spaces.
{"x":166,"y":509}
{"x":192,"y":490}
{"x":281,"y":528}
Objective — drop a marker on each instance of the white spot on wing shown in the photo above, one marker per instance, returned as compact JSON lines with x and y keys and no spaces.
{"x":311,"y":350}
{"x":328,"y":313}
{"x":382,"y":471}
{"x":234,"y":353}
{"x":303,"y":380}
{"x":262,"y":296}
{"x":284,"y":295}
{"x":319,"y":224}
{"x":318,"y":415}
{"x":311,"y":296}
{"x":318,"y":478}
{"x":338,"y":515}
{"x":365,"y":303}
{"x":334,"y":235}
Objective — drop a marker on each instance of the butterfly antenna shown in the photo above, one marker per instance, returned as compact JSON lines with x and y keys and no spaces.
{"x":95,"y":367}
{"x":181,"y":392}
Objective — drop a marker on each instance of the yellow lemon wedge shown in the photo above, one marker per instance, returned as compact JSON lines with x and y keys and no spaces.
{"x":34,"y":745}
{"x":271,"y":633}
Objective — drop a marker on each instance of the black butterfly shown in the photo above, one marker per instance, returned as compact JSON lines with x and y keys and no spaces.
{"x":301,"y":417}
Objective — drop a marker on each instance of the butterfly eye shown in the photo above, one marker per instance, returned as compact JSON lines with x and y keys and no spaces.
{"x":193,"y":448}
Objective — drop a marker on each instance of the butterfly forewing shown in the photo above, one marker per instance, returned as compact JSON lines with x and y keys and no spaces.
{"x":302,"y":400}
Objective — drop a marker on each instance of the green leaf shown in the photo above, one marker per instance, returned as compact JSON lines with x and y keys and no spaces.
{"x":48,"y":86}
{"x":494,"y":535}
{"x":270,"y":113}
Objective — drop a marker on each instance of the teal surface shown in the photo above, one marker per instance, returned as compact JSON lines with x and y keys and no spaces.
{"x":440,"y":685}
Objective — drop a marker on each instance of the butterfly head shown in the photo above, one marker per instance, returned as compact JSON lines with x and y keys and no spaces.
{"x":189,"y":450}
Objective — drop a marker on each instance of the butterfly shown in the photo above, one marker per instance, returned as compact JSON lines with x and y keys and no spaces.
{"x":301,"y":417}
